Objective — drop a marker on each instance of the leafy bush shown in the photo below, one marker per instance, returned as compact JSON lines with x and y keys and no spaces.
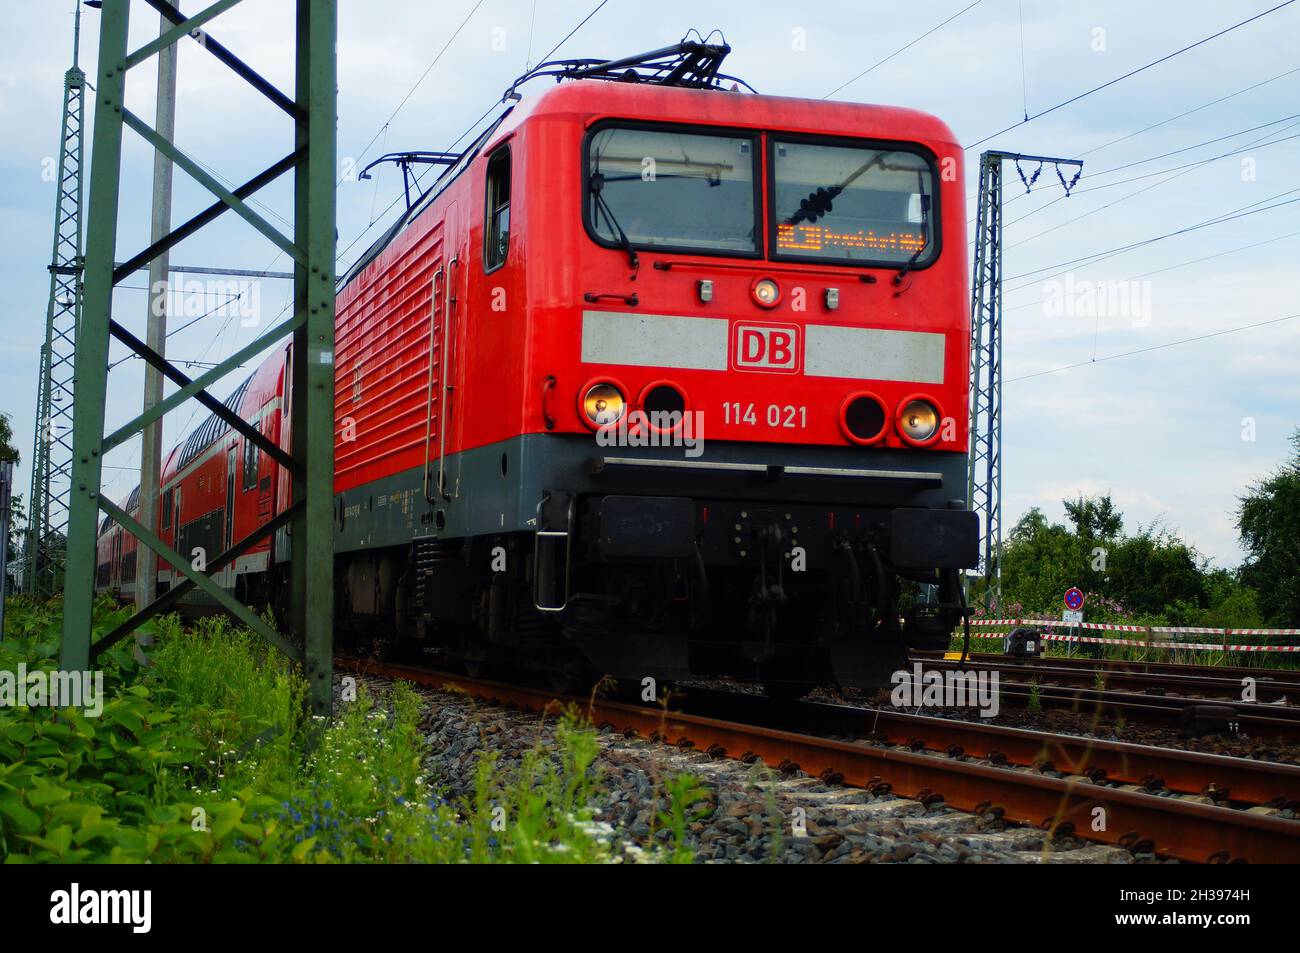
{"x":1268,"y":519}
{"x":200,"y":758}
{"x":1147,"y":577}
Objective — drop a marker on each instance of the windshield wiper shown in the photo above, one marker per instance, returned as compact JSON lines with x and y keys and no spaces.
{"x":925,"y":234}
{"x":909,"y":265}
{"x":597,"y":186}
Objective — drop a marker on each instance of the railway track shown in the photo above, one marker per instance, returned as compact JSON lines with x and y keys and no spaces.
{"x":1032,"y":687}
{"x":1191,"y":716}
{"x":1176,"y":828}
{"x":1275,"y":676}
{"x":1239,"y":782}
{"x":1204,"y":685}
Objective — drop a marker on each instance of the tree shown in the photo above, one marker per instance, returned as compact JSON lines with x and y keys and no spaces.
{"x":1233,"y":604}
{"x":1268,"y":520}
{"x":1151,"y":573}
{"x":17,"y":518}
{"x":1094,"y":518}
{"x":1040,"y":560}
{"x":10,"y":454}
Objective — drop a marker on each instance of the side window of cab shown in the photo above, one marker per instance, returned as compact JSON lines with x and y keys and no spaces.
{"x":496,"y":221}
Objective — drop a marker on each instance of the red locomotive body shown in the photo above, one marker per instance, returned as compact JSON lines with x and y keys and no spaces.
{"x":653,"y":381}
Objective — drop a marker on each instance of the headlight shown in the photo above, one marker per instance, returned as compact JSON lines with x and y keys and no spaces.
{"x":603,"y":404}
{"x":919,"y":420}
{"x":863,"y":418}
{"x":766,"y":292}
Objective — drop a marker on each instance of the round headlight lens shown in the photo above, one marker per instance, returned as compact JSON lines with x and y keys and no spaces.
{"x":603,"y":405}
{"x":766,"y":292}
{"x":919,"y":420}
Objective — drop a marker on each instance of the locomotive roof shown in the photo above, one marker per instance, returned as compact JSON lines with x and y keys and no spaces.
{"x":583,"y":100}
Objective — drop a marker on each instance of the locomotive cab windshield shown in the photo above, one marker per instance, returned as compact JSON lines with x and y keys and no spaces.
{"x":852,"y":204}
{"x":694,"y":190}
{"x":672,"y":190}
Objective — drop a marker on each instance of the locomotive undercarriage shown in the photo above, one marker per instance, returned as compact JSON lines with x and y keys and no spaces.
{"x":671,"y":588}
{"x":791,"y":595}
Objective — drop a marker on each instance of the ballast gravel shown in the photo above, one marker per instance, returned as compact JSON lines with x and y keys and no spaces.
{"x":751,"y":813}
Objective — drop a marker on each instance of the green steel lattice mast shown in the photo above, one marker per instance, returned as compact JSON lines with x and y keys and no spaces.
{"x":47,"y":506}
{"x":311,"y":247}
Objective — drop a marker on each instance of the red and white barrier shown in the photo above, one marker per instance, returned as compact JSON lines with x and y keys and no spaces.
{"x":1223,"y":635}
{"x":1208,"y":646}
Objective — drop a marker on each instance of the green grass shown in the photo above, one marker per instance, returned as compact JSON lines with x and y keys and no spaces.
{"x":206,"y":755}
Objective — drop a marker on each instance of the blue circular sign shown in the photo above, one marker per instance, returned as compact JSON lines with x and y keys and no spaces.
{"x":1073,"y":599}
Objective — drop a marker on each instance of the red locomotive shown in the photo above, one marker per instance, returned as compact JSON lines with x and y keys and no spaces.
{"x":657,"y":379}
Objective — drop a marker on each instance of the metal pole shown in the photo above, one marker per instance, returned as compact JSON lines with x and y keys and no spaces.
{"x":91,"y":362}
{"x":984,"y":475}
{"x":993,"y":399}
{"x":146,"y":575}
{"x":976,"y":326}
{"x":6,"y":486}
{"x":312,"y":398}
{"x":47,"y":505}
{"x":984,"y":480}
{"x":982,"y":424}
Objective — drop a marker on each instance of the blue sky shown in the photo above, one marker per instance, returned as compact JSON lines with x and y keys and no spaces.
{"x":1164,"y":431}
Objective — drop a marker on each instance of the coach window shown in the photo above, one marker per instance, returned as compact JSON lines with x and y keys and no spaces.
{"x":166,"y":520}
{"x":496,"y":234}
{"x":250,"y":464}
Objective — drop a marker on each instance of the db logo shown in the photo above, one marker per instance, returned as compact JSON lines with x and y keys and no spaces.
{"x":766,"y":347}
